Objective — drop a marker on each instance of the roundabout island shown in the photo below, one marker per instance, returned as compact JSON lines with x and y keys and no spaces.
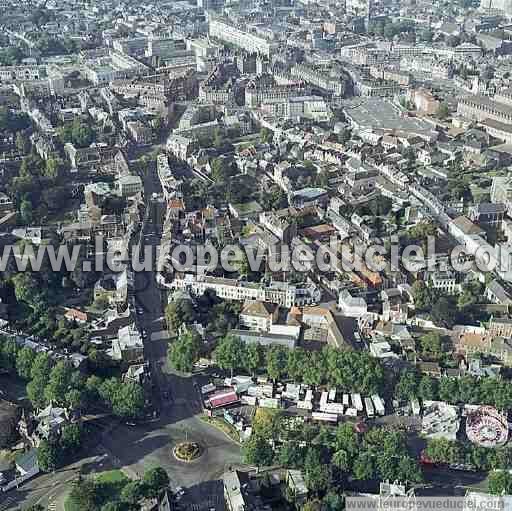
{"x":187,"y":451}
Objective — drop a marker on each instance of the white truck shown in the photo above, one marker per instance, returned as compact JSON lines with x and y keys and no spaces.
{"x":370,"y":411}
{"x":357,"y":402}
{"x":324,"y":417}
{"x":378,"y":404}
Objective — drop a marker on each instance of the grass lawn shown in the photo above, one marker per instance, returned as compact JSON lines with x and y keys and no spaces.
{"x":224,"y":426}
{"x":109,"y":485}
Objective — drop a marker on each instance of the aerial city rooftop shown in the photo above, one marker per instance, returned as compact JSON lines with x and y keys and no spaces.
{"x":255,"y":255}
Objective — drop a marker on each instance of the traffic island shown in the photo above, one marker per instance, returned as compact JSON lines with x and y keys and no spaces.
{"x":187,"y":451}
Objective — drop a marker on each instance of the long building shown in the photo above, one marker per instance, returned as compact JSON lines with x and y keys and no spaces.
{"x":256,"y":93}
{"x":282,"y":294}
{"x":479,"y":108}
{"x":332,"y":81}
{"x":226,"y":31}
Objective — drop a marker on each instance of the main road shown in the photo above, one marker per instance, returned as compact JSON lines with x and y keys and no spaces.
{"x":175,"y":397}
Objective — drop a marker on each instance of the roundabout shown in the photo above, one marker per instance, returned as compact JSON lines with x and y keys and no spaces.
{"x":187,"y":451}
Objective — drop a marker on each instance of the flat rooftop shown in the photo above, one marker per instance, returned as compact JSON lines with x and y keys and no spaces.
{"x":375,"y":113}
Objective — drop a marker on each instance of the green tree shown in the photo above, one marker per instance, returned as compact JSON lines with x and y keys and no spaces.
{"x":407,"y":386}
{"x":128,"y":400}
{"x":443,"y":111}
{"x":218,"y":139}
{"x":295,"y":364}
{"x":242,"y":265}
{"x":341,"y":460}
{"x":83,"y":495}
{"x":229,"y":354}
{"x":82,"y":134}
{"x":364,"y":467}
{"x":24,"y":361}
{"x":468,"y":300}
{"x":8,"y":353}
{"x":155,"y":481}
{"x":333,"y":502}
{"x":47,"y":456}
{"x":316,"y":473}
{"x":22,"y":143}
{"x":500,"y":483}
{"x":184,"y":351}
{"x":74,"y":399}
{"x":133,"y":492}
{"x":52,"y":168}
{"x":479,"y":457}
{"x":276,"y":358}
{"x":312,"y":505}
{"x":266,"y":135}
{"x":25,"y":287}
{"x":408,"y":470}
{"x":257,"y":451}
{"x":346,"y":440}
{"x":449,"y":390}
{"x":71,"y":437}
{"x":40,"y":374}
{"x":41,"y":367}
{"x":178,"y":313}
{"x":427,"y":388}
{"x":431,"y":345}
{"x":500,"y":459}
{"x":290,"y":455}
{"x":113,"y":506}
{"x":35,"y":394}
{"x":266,"y":423}
{"x":315,"y":370}
{"x":253,"y":357}
{"x":444,"y":311}
{"x":58,"y":383}
{"x":443,"y":451}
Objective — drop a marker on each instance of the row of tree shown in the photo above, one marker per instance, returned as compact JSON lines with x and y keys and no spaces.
{"x":352,"y":371}
{"x":465,"y":390}
{"x":330,"y":457}
{"x":63,"y":385}
{"x":443,"y":451}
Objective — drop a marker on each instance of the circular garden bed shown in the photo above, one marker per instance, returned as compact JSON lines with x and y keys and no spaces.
{"x":187,"y":451}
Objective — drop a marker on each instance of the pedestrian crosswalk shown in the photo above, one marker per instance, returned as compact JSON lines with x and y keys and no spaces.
{"x":52,"y":504}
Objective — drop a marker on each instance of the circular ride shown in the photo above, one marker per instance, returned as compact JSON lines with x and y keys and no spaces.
{"x":487,"y":427}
